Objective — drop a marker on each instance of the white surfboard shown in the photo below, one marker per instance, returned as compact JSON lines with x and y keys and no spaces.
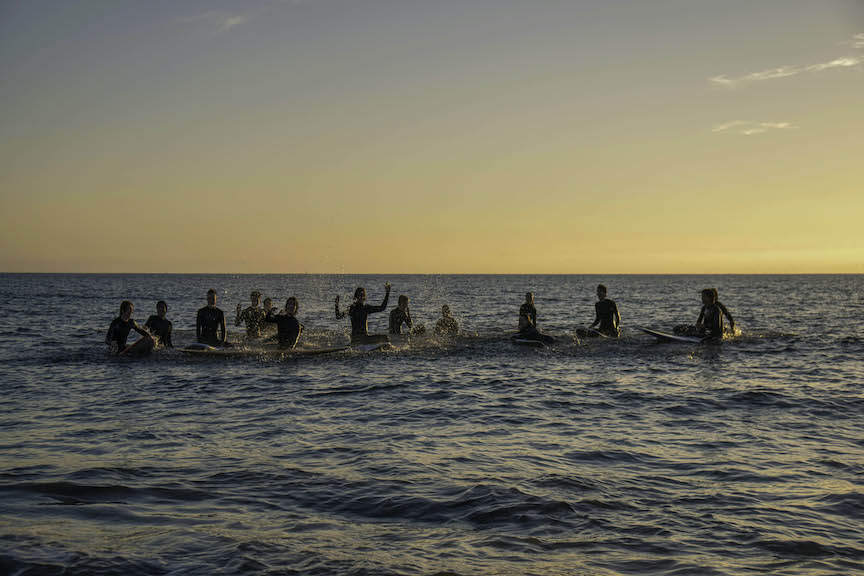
{"x":663,"y":336}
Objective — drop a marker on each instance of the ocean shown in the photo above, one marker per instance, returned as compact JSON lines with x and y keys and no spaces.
{"x":462,"y":456}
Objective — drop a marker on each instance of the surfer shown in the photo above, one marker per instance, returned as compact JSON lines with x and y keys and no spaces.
{"x":400,"y":315}
{"x":253,"y":316}
{"x":710,"y":322}
{"x":118,"y":331}
{"x":447,"y":325}
{"x":159,"y":326}
{"x":606,"y":315}
{"x":209,"y":320}
{"x":528,"y":308}
{"x":723,"y":309}
{"x":359,"y":312}
{"x":528,"y":329}
{"x":288,"y":326}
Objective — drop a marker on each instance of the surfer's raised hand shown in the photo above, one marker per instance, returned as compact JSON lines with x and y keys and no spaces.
{"x":239,"y":309}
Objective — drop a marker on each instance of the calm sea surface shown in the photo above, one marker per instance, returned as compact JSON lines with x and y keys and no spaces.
{"x":470,"y":456}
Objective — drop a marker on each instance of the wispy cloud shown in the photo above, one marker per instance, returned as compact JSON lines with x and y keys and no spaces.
{"x":789,"y":70}
{"x":218,"y":22}
{"x":750,"y":128}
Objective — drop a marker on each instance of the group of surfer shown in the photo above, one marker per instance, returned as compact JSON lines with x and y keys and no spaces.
{"x":210,"y":321}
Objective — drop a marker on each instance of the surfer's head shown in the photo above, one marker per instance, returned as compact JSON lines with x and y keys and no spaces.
{"x":403,"y":302}
{"x":211,"y":297}
{"x":292,"y":306}
{"x":161,"y":308}
{"x":445,"y":310}
{"x":360,"y":295}
{"x":255,"y":297}
{"x":268,"y":303}
{"x":529,"y":298}
{"x":708,"y":296}
{"x":126,"y":310}
{"x":601,"y":291}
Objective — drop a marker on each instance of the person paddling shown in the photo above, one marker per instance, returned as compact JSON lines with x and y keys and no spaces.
{"x":359,"y":312}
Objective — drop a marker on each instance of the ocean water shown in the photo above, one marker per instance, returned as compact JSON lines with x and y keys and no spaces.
{"x":460,"y":457}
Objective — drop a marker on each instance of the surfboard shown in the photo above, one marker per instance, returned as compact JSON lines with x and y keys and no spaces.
{"x":590,"y":333}
{"x":141,"y":347}
{"x":662,"y":336}
{"x":528,"y":342}
{"x":205,"y":350}
{"x":371,"y":347}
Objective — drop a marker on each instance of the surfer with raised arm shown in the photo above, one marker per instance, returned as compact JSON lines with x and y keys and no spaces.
{"x":359,"y":312}
{"x":209,"y":321}
{"x":447,"y":325}
{"x":118,"y":331}
{"x":288,"y":326}
{"x":159,"y":326}
{"x":606,"y":316}
{"x":253,"y":317}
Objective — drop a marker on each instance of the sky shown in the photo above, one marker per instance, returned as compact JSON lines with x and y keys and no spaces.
{"x":432,"y":136}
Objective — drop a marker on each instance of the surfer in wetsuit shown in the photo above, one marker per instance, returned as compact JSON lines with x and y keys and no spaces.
{"x":359,"y":312}
{"x":528,"y":308}
{"x":606,"y":314}
{"x":288,"y":326}
{"x":723,"y":309}
{"x":400,"y":315}
{"x":447,"y":324}
{"x":710,"y":322}
{"x":159,"y":326}
{"x":528,"y":322}
{"x":253,"y":316}
{"x":118,"y":331}
{"x":211,"y":319}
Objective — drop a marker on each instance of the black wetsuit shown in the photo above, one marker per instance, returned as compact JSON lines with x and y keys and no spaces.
{"x":118,"y":332}
{"x":359,"y":314}
{"x":447,"y":325}
{"x":210,"y":321}
{"x":606,"y":311}
{"x":529,"y":309}
{"x":712,"y":320}
{"x":397,"y":318}
{"x":254,"y":318}
{"x":161,"y":329}
{"x":288,"y":327}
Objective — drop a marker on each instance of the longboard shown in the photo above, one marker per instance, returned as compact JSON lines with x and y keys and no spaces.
{"x":371,"y":347}
{"x":528,"y":342}
{"x":205,"y":350}
{"x":662,"y":336}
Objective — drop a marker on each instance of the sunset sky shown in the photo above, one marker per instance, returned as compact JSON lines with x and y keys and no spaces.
{"x":432,"y":136}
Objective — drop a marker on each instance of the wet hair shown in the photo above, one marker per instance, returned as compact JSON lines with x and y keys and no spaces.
{"x":716,"y":295}
{"x":162,"y":303}
{"x":255,"y":294}
{"x":211,"y":291}
{"x":403,"y":298}
{"x":359,"y":292}
{"x":601,"y":287}
{"x":288,"y":303}
{"x":710,"y":293}
{"x":266,"y":300}
{"x":124,"y":305}
{"x":529,"y":296}
{"x":445,"y":309}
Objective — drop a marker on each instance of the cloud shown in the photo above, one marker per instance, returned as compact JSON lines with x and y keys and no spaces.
{"x":218,"y":22}
{"x":750,"y":128}
{"x":788,"y":70}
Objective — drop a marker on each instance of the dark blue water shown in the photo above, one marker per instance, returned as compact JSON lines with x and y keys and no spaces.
{"x":469,"y":456}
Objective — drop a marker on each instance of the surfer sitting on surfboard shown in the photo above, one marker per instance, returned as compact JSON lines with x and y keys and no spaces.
{"x":527,"y":322}
{"x":447,"y":324}
{"x":288,"y":326}
{"x":118,"y":331}
{"x":401,"y":315}
{"x":606,"y":314}
{"x":253,"y":316}
{"x":359,"y":312}
{"x":710,"y":322}
{"x":159,"y":326}
{"x":211,"y":319}
{"x":723,"y":309}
